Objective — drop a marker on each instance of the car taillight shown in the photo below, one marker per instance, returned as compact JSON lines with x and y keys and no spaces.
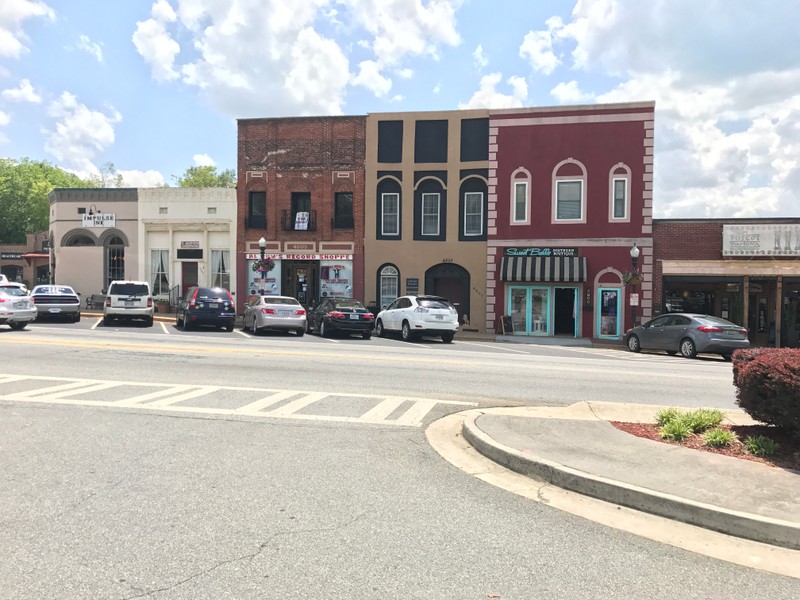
{"x":710,"y":329}
{"x":267,"y":311}
{"x":4,"y":299}
{"x":108,"y":300}
{"x":419,"y":309}
{"x":192,"y":302}
{"x":300,"y":312}
{"x":743,"y":331}
{"x":230,"y":298}
{"x":335,"y":314}
{"x":368,"y":316}
{"x":149,"y":301}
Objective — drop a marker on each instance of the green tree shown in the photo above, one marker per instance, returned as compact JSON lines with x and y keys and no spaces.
{"x":24,"y":205}
{"x":202,"y":177}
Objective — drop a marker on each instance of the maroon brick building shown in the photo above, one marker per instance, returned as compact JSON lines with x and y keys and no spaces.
{"x":570,"y":195}
{"x":743,"y":270}
{"x":301,"y":189}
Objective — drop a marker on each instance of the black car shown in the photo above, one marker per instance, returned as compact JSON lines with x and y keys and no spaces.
{"x":340,"y":316}
{"x":206,"y":306}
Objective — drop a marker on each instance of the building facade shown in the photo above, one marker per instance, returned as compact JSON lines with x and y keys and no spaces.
{"x":27,"y":263}
{"x":172,"y":237}
{"x":743,"y":270}
{"x":426,"y":208}
{"x":570,"y":197}
{"x":301,"y":190}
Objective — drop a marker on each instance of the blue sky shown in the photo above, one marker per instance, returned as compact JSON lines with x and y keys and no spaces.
{"x":155,"y":87}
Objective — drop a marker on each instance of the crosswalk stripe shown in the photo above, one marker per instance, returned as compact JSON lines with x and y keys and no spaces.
{"x":380,"y":412}
{"x":256,"y":406}
{"x":173,"y":389}
{"x":414,"y":415}
{"x":53,"y":390}
{"x":196,"y":393}
{"x":295,"y":405}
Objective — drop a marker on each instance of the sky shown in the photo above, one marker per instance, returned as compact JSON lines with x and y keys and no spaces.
{"x":156,"y":87}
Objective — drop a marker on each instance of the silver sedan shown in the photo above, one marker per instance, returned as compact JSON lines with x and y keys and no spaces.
{"x":16,"y":307}
{"x":688,"y":334}
{"x":277,"y":313}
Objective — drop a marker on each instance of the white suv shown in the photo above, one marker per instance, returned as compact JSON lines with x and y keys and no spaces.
{"x":415,"y":316}
{"x":129,"y":300}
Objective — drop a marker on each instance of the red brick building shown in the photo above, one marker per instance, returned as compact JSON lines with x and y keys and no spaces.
{"x":743,"y":270}
{"x":301,"y":188}
{"x":570,"y":195}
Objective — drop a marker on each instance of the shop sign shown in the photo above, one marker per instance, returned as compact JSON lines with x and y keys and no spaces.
{"x":412,"y":285}
{"x":761,"y":240}
{"x":266,"y":284}
{"x":190,"y":245}
{"x":634,"y":300}
{"x":100,"y":220}
{"x":11,"y":255}
{"x":540,"y":251}
{"x":336,"y":279}
{"x":252,"y":256}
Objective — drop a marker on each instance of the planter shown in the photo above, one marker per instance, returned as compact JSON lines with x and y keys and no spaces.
{"x":162,"y":307}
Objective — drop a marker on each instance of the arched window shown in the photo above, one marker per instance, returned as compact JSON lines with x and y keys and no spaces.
{"x":569,"y":192}
{"x":388,"y":285}
{"x":79,"y":239}
{"x":520,"y":209}
{"x":115,"y":259}
{"x":619,"y":197}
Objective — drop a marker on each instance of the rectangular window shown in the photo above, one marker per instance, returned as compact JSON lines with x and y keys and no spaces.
{"x":257,"y":210}
{"x":430,"y":141}
{"x":115,"y":264}
{"x":301,"y":210}
{"x":390,"y":141}
{"x":212,"y":210}
{"x":430,"y":214}
{"x":520,"y":202}
{"x":620,"y":198}
{"x":343,"y":210}
{"x":159,"y":272}
{"x":390,"y":214}
{"x":220,"y":268}
{"x":473,"y":213}
{"x":162,"y":210}
{"x":569,"y":200}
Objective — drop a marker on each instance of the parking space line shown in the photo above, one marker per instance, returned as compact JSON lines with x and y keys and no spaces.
{"x":164,"y":327}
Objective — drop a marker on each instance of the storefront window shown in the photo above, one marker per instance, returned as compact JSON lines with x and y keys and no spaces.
{"x":609,"y":313}
{"x":529,"y":309}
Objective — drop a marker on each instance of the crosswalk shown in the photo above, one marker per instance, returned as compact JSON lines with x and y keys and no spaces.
{"x":375,"y":409}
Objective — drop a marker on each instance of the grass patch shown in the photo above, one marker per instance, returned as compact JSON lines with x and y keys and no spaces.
{"x":718,"y":437}
{"x":702,"y":419}
{"x":666,"y":416}
{"x":761,"y":445}
{"x":676,"y":430}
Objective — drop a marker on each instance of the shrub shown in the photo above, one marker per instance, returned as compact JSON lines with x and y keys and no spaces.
{"x":703,"y":418}
{"x":761,"y":445}
{"x":676,"y":430}
{"x":768,"y":385}
{"x":718,"y":437}
{"x":665,"y":416}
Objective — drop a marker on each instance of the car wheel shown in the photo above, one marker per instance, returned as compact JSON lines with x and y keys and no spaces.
{"x":379,"y":329}
{"x":300,"y":332}
{"x":727,"y":357}
{"x":186,"y":325}
{"x":17,"y":325}
{"x":688,"y":349}
{"x":76,"y":318}
{"x":229,"y":327}
{"x":148,"y":322}
{"x":309,"y":330}
{"x":177,"y":320}
{"x":106,"y":321}
{"x":323,"y":331}
{"x":366,"y":335}
{"x":447,"y":337}
{"x":633,"y":344}
{"x":406,"y":333}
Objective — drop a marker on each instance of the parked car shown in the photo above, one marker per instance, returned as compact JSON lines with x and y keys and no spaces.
{"x":128,"y":300}
{"x":16,"y":307}
{"x":6,"y":282}
{"x":339,"y":315}
{"x":415,"y":316}
{"x":206,"y":306}
{"x":277,"y":313}
{"x":688,"y":333}
{"x":57,"y":301}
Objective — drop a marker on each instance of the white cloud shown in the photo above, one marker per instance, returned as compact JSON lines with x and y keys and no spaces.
{"x":537,"y":47}
{"x":87,"y":45}
{"x":570,"y":93}
{"x":12,"y":15}
{"x":488,"y":96}
{"x":142,"y":178}
{"x":23,"y":93}
{"x":5,"y":118}
{"x":203,"y":160}
{"x":79,"y":133}
{"x":480,"y":57}
{"x":369,"y":76}
{"x":154,"y":43}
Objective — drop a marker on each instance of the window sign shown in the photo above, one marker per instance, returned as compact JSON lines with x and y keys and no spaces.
{"x":608,"y":312}
{"x":336,"y":279}
{"x":265,"y":284}
{"x":412,"y":285}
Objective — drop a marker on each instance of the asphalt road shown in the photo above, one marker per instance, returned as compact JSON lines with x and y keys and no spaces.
{"x":169,"y":465}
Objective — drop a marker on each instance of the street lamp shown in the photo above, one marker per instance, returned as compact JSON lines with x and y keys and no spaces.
{"x":634,"y":261}
{"x":262,"y":245}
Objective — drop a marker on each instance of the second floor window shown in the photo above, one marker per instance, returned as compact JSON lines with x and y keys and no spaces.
{"x":620,"y":187}
{"x":390,"y":214}
{"x":473,"y":213}
{"x":569,"y":200}
{"x":257,"y":210}
{"x":343,"y":210}
{"x":301,"y":210}
{"x":520,"y":206}
{"x":430,"y":214}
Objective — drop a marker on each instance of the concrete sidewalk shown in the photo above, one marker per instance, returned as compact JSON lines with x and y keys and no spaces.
{"x":576,"y":448}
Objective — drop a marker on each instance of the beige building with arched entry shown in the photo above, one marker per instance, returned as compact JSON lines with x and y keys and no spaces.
{"x":172,"y":237}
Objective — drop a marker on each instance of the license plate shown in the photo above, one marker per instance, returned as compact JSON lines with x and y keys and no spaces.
{"x":213,"y":305}
{"x":128,"y":302}
{"x":55,"y":310}
{"x":439,"y":317}
{"x":20,"y":305}
{"x":285,"y":313}
{"x":354,"y":316}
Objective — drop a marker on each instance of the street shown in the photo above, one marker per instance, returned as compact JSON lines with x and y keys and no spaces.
{"x":157,"y":463}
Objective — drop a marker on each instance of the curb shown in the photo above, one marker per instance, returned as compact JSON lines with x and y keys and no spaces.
{"x":744,"y":525}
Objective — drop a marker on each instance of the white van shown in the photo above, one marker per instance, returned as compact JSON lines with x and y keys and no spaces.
{"x":129,"y":300}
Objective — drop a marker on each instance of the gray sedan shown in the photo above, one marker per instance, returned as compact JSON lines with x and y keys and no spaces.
{"x":689,"y":334}
{"x":16,"y":307}
{"x":278,"y":313}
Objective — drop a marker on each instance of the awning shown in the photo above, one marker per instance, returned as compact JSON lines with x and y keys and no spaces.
{"x":543,"y":268}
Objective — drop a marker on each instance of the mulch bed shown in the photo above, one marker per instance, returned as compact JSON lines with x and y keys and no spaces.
{"x":788,"y":456}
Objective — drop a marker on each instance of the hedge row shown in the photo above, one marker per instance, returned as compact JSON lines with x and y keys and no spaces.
{"x":767,"y":384}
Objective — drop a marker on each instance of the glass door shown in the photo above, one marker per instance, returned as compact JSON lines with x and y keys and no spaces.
{"x":529,"y":308}
{"x":608,"y":315}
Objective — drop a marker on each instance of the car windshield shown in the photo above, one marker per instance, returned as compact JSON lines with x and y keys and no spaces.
{"x":54,"y":289}
{"x":433,"y":303}
{"x":128,"y":289}
{"x":12,"y":291}
{"x":717,"y":321}
{"x":351,"y":304}
{"x":205,"y":293}
{"x":274,"y":300}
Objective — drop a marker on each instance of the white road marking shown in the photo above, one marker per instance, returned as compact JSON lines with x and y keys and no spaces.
{"x":172,"y":397}
{"x":164,"y":327}
{"x":492,"y":346}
